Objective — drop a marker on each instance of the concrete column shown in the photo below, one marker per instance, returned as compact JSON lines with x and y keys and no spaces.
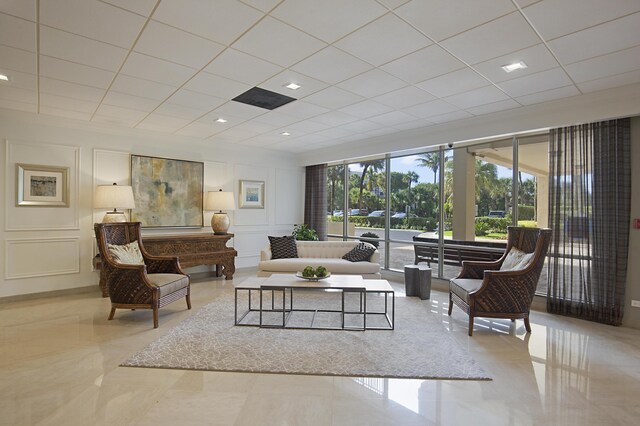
{"x":464,"y":195}
{"x":542,"y":201}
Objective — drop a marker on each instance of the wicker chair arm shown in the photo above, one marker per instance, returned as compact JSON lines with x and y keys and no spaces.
{"x":472,"y":269}
{"x":129,"y":281}
{"x":163,"y":265}
{"x":505,"y":291}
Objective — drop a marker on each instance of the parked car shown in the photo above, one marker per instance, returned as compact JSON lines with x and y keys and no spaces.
{"x":376,"y":213}
{"x":496,"y":213}
{"x":402,"y":215}
{"x":358,"y":212}
{"x":337,"y":213}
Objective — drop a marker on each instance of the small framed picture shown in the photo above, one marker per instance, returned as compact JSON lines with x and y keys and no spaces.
{"x":43,"y":186}
{"x":251,"y":194}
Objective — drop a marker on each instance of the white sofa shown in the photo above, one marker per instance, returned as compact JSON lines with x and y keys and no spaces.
{"x":315,"y":253}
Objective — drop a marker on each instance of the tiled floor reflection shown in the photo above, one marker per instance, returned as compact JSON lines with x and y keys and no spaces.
{"x":59,"y":361}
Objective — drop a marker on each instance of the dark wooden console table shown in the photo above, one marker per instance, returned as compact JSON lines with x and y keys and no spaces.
{"x":191,"y":249}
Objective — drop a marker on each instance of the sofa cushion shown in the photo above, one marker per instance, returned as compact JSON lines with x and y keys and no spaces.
{"x":360,"y":253}
{"x":128,"y":254}
{"x":516,"y":259}
{"x":461,"y":287}
{"x":335,"y":266}
{"x":168,"y":283}
{"x":283,"y":247}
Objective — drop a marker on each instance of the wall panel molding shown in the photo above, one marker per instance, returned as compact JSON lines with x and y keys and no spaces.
{"x":41,"y":257}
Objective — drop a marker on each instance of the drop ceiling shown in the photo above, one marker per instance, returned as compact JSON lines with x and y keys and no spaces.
{"x":366,"y":68}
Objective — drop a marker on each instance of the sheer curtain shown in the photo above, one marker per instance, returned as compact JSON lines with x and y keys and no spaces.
{"x":589,"y":209}
{"x":315,"y":199}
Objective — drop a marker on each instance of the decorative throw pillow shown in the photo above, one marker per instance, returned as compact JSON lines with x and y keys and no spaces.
{"x":127,"y":253}
{"x":283,"y":247}
{"x":360,"y":253}
{"x":516,"y":259}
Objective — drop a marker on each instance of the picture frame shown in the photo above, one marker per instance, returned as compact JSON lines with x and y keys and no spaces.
{"x":42,"y":186}
{"x":251,"y":195}
{"x":167,"y":192}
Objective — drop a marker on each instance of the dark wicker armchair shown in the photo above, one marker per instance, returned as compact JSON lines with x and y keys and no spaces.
{"x":156,"y":283}
{"x":482,"y":290}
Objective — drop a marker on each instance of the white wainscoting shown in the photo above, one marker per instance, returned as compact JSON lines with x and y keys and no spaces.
{"x":41,"y":257}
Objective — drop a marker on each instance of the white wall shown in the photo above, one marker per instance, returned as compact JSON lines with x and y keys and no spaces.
{"x":631,"y":316}
{"x":51,"y":248}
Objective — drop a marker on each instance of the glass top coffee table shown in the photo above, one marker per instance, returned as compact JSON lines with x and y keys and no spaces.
{"x":275,"y":295}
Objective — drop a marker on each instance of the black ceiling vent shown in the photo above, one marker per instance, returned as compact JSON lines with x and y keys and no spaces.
{"x":263,"y":98}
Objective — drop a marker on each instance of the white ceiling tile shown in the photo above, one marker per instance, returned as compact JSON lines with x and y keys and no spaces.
{"x":216,"y":86}
{"x":372,"y":83}
{"x":405,"y":97}
{"x":334,"y":118}
{"x":162,"y":123}
{"x":609,"y":37}
{"x":237,"y":133}
{"x":142,"y":7}
{"x":75,"y":73}
{"x":381,"y":131}
{"x":17,"y":60}
{"x":124,"y":100}
{"x":154,"y":69}
{"x":171,"y":44}
{"x":440,"y":19}
{"x":60,"y":112}
{"x":114,"y":121}
{"x":494,"y":107}
{"x":263,"y":5}
{"x":20,"y":8}
{"x":538,"y":58}
{"x":452,"y":116}
{"x":383,"y":40}
{"x":302,"y":109}
{"x":196,"y":129}
{"x":538,"y":82}
{"x":573,"y":15}
{"x":332,"y":65}
{"x":329,"y":20}
{"x":71,"y":90}
{"x":221,"y":21}
{"x":609,"y":82}
{"x":93,"y":19}
{"x":366,"y":108}
{"x":334,"y":133}
{"x":496,"y":38}
{"x":17,"y":105}
{"x":17,"y":94}
{"x":240,"y":110}
{"x":143,"y":88}
{"x":17,"y":32}
{"x":62,"y":102}
{"x":180,"y":111}
{"x":257,"y":127}
{"x":63,"y":45}
{"x":476,"y":97}
{"x":21,"y":80}
{"x":415,"y":124}
{"x":239,"y":66}
{"x":333,"y":98}
{"x":361,"y":126}
{"x":278,"y":82}
{"x":392,"y":118}
{"x":393,"y":4}
{"x":279,"y":43}
{"x":426,"y":63}
{"x":307,"y":126}
{"x":124,"y":116}
{"x":430,"y":109}
{"x":549,"y":95}
{"x":453,"y":83}
{"x":196,"y":100}
{"x":276,"y":118}
{"x":607,"y":65}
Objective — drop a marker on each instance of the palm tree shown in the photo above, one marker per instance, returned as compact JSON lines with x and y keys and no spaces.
{"x":410,"y":178}
{"x":432,"y":161}
{"x":375,"y":166}
{"x":335,"y":174}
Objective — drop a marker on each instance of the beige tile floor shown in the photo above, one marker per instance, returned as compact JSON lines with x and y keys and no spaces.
{"x":59,"y":361}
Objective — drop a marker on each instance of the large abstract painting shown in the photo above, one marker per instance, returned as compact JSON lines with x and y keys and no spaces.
{"x":167,"y":192}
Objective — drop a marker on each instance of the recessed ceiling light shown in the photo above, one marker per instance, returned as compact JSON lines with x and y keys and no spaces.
{"x":293,"y":86}
{"x":4,"y":77}
{"x":515,"y":66}
{"x":285,"y":134}
{"x":221,"y":120}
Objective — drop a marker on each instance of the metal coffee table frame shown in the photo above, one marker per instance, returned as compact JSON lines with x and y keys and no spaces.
{"x":283,"y":289}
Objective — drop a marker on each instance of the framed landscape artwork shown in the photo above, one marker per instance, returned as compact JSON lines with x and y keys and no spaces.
{"x":251,"y":195}
{"x":43,"y":186}
{"x":167,"y":192}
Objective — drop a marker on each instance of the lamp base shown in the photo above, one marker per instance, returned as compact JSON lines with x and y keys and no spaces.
{"x":220,"y":223}
{"x":114,"y":216}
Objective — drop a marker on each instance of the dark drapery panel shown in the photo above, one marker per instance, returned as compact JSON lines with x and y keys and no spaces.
{"x":589,"y":212}
{"x":315,"y":199}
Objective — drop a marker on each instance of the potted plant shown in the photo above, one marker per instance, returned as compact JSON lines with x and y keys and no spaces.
{"x":371,"y":235}
{"x":302,"y":232}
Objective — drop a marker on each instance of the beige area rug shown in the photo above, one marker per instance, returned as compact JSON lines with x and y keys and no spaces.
{"x":418,"y":348}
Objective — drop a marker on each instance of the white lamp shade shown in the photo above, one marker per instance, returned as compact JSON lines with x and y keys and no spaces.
{"x":219,"y":200}
{"x":114,"y":197}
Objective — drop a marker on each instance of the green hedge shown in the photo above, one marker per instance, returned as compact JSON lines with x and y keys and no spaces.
{"x":418,"y":223}
{"x":526,"y":212}
{"x":487,"y":225}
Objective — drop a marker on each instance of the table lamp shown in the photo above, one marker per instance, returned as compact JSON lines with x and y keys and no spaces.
{"x":114,"y":196}
{"x":219,"y":201}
